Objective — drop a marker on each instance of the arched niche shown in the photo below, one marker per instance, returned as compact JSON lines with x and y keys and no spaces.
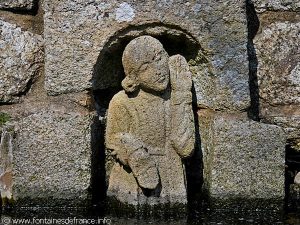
{"x":108,"y":70}
{"x":106,"y":82}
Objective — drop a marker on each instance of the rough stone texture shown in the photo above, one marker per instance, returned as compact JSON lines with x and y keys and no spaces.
{"x":17,"y":4}
{"x":278,"y":50}
{"x":286,"y":116}
{"x":150,"y":127}
{"x":277,"y":47}
{"x":76,"y":32}
{"x":52,"y":156}
{"x":242,"y":158}
{"x":6,"y":158}
{"x":21,"y":57}
{"x":276,"y":5}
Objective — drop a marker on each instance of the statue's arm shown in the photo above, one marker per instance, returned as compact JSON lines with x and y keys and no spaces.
{"x":128,"y":149}
{"x":182,"y":119}
{"x":118,"y":123}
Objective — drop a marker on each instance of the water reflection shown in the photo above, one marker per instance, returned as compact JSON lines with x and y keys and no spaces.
{"x":100,"y":215}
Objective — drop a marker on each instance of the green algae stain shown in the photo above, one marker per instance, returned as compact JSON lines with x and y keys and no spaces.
{"x":4,"y":117}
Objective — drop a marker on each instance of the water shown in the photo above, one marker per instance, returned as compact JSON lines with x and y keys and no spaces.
{"x":100,"y":215}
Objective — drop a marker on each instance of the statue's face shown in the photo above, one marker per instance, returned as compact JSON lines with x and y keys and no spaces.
{"x":154,"y":74}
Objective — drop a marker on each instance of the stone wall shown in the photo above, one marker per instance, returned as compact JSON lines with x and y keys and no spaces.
{"x":57,"y":55}
{"x":76,"y":34}
{"x":52,"y":147}
{"x":51,"y":137}
{"x":22,"y":58}
{"x":277,"y":48}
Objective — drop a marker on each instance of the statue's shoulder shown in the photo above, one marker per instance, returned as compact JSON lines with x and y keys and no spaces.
{"x":120,"y":99}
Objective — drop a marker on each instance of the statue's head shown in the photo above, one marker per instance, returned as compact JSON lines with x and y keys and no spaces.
{"x":145,"y":63}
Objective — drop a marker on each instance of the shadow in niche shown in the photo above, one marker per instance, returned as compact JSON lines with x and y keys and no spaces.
{"x":253,"y":26}
{"x":98,"y":156}
{"x":106,"y":80}
{"x":292,"y":160}
{"x":194,"y":167}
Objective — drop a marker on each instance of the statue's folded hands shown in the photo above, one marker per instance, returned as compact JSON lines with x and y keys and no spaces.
{"x":132,"y":152}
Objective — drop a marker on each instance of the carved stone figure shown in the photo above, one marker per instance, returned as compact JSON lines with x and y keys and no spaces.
{"x":150,"y":126}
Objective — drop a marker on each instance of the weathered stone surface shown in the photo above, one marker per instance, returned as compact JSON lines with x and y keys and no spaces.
{"x":276,"y":5}
{"x":77,"y":32}
{"x":286,"y":116}
{"x":17,"y":4}
{"x":52,"y":156}
{"x":21,"y":54}
{"x":278,"y":75}
{"x":6,"y":158}
{"x":242,"y":158}
{"x":150,"y":127}
{"x":278,"y":49}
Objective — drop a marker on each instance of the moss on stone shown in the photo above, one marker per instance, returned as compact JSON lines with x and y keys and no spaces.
{"x":4,"y":117}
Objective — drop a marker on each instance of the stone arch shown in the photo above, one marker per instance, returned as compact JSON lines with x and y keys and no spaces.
{"x":108,"y":70}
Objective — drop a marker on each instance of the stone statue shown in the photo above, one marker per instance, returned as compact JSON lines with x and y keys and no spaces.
{"x":150,"y":126}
